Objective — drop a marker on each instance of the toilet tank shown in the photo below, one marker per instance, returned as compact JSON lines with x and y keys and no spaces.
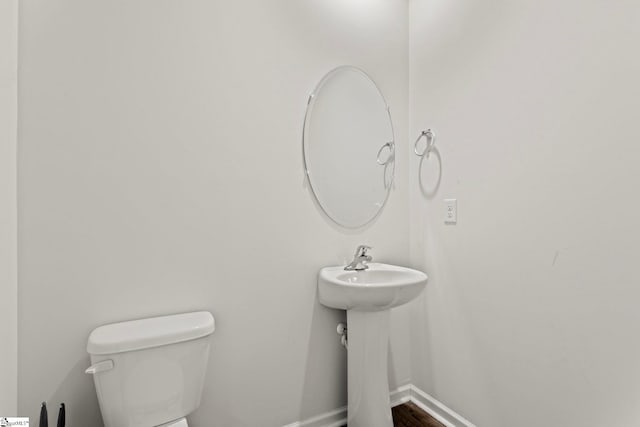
{"x":151,"y":371}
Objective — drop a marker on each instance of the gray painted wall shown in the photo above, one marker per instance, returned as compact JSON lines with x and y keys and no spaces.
{"x":160,"y":171}
{"x":531,"y":316}
{"x":8,"y":213}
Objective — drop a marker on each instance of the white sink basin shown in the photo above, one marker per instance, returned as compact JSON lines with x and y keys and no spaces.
{"x":368,"y":297}
{"x":381,"y":287}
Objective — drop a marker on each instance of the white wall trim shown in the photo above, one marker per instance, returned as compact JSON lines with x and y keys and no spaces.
{"x":437,"y":409}
{"x":335,"y":418}
{"x":404,"y":394}
{"x":400,"y":395}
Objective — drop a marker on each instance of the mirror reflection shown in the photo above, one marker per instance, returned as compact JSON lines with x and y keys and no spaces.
{"x":349,"y":148}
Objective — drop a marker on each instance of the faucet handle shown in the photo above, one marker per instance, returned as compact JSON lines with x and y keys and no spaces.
{"x":362,"y":250}
{"x":360,"y":259}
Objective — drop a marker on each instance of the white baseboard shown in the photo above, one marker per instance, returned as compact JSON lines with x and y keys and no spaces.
{"x":437,"y":409}
{"x":404,"y":394}
{"x":335,"y":418}
{"x":400,"y":395}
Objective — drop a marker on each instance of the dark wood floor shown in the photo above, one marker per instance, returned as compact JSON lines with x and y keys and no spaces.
{"x":409,"y":415}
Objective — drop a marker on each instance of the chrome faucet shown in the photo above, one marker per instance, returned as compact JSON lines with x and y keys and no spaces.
{"x":360,"y":259}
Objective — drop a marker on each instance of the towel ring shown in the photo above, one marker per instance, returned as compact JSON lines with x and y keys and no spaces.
{"x":430,"y":137}
{"x":392,"y":153}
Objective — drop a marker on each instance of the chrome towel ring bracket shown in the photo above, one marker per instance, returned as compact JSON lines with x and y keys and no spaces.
{"x":430,"y":183}
{"x":390,"y":157}
{"x":386,"y":157}
{"x":430,"y":137}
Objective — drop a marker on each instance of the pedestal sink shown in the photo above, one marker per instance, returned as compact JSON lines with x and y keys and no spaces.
{"x":368,"y":296}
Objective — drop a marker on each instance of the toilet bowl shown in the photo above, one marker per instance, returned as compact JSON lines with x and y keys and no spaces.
{"x":150,"y":372}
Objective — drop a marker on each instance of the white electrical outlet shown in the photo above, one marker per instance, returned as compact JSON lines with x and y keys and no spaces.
{"x":451,"y":211}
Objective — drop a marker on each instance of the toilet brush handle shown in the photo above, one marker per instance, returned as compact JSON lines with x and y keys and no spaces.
{"x":62,"y":416}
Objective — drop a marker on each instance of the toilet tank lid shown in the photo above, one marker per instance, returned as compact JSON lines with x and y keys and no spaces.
{"x":147,"y":333}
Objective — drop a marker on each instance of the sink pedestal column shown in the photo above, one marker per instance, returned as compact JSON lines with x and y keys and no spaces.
{"x":368,"y":385}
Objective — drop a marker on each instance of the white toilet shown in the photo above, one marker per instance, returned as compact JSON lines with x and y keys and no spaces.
{"x":150,"y":372}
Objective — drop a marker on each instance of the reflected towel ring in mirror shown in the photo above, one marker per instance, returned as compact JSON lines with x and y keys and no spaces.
{"x":347,"y":122}
{"x":430,"y":137}
{"x":390,"y":157}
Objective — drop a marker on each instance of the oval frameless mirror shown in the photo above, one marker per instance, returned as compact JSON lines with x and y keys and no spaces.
{"x":348,"y":147}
